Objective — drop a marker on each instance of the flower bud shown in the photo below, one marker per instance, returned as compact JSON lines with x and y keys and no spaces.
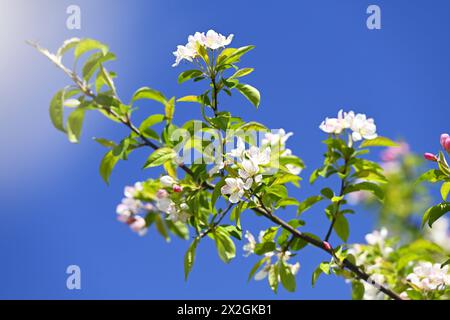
{"x":430,"y":157}
{"x":326,"y":246}
{"x":445,"y":141}
{"x":177,"y":188}
{"x":167,"y":181}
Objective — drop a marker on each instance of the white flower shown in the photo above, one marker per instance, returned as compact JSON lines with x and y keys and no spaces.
{"x":293,"y":169}
{"x":128,"y":207}
{"x":377,"y":237}
{"x":183,"y":52}
{"x":249,"y":247}
{"x":331,"y":125}
{"x":129,"y":191}
{"x":214,"y":40}
{"x":235,"y":188}
{"x":167,"y":181}
{"x":363,"y":128}
{"x":217,"y":167}
{"x":248,"y":171}
{"x":294,"y":268}
{"x":181,"y":214}
{"x":440,"y":233}
{"x":259,"y":157}
{"x":276,"y":139}
{"x":427,"y":276}
{"x":166,"y":205}
{"x":264,"y":272}
{"x":198,"y":39}
{"x":239,"y":151}
{"x":370,"y":291}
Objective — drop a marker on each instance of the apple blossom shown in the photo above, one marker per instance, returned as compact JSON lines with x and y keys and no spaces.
{"x":183,"y":53}
{"x":363,"y":128}
{"x":277,"y":139}
{"x":371,"y":292}
{"x":428,"y":276}
{"x":235,"y":188}
{"x":214,"y":40}
{"x":249,"y":247}
{"x":138,"y":224}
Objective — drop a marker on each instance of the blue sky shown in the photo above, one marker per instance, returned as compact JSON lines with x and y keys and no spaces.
{"x":311,"y":59}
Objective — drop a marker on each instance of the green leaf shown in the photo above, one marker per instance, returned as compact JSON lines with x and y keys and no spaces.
{"x":86,"y":45}
{"x":445,"y":189}
{"x":366,"y":186}
{"x":195,"y":99}
{"x":234,"y":56}
{"x":189,"y":258}
{"x":262,"y":248}
{"x":67,"y":45}
{"x":287,"y":277}
{"x":252,"y":126}
{"x":189,"y":74}
{"x":151,"y":121}
{"x":75,"y":124}
{"x":255,"y":268}
{"x":435,"y":212}
{"x":57,"y":111}
{"x":273,"y":277}
{"x":105,"y":142}
{"x":161,"y":227}
{"x":432,"y":176}
{"x":169,"y":109}
{"x":357,"y":290}
{"x":327,"y":193}
{"x":159,"y":156}
{"x":94,"y":62}
{"x":251,"y":93}
{"x":241,"y":73}
{"x":107,"y":165}
{"x":225,"y":246}
{"x":149,"y":93}
{"x":341,"y":227}
{"x":379,"y":142}
{"x":308,"y":203}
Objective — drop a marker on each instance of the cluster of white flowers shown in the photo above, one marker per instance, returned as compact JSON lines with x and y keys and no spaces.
{"x":249,"y":248}
{"x":440,"y":233}
{"x":129,"y":209}
{"x":175,"y":212}
{"x":211,"y":40}
{"x":250,"y":163}
{"x":427,"y":276}
{"x":361,"y":126}
{"x":376,"y":238}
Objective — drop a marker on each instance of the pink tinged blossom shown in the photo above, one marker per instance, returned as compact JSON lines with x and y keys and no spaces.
{"x":177,"y":188}
{"x":137,"y":224}
{"x":162,"y":193}
{"x":445,"y":141}
{"x":431,"y":157}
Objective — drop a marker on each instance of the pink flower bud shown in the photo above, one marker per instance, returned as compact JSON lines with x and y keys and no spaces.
{"x":445,"y":141}
{"x":430,"y":156}
{"x":138,"y":224}
{"x":326,"y":246}
{"x":162,"y":193}
{"x":177,"y":188}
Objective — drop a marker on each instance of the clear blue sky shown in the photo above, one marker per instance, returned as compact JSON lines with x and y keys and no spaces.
{"x":311,"y":59}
